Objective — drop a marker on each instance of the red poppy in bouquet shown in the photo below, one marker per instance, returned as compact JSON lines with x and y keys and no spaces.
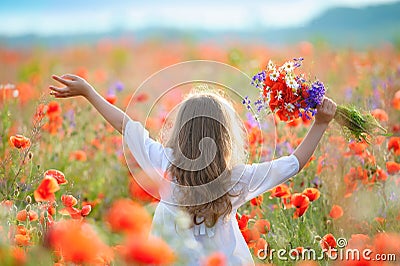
{"x":290,"y":96}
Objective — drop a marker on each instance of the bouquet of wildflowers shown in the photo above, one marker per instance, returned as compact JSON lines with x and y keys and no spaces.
{"x":291,"y":96}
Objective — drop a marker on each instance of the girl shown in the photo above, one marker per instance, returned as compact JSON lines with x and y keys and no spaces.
{"x":204,"y":160}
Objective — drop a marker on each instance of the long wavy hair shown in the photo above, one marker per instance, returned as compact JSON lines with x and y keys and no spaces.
{"x":207,"y":140}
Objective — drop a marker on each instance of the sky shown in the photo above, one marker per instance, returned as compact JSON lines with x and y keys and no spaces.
{"x":49,"y":17}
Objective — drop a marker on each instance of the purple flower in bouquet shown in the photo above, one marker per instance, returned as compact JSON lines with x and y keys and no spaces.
{"x":316,"y":93}
{"x":258,"y":79}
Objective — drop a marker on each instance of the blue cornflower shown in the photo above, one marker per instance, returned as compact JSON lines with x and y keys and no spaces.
{"x":316,"y":93}
{"x":258,"y":79}
{"x":259,"y":104}
{"x":119,"y":86}
{"x":246,"y":101}
{"x":298,"y":61}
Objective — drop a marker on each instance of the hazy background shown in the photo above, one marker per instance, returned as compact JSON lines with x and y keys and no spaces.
{"x":341,"y":22}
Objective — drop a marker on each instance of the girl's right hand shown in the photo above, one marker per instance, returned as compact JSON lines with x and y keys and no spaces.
{"x":325,"y":111}
{"x":74,"y":86}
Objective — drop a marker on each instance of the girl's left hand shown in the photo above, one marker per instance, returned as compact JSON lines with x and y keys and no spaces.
{"x":325,"y":111}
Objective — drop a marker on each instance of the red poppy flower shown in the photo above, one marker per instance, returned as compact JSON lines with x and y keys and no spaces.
{"x":53,"y":109}
{"x":71,"y":211}
{"x":301,"y":203}
{"x":358,"y":241}
{"x":128,"y":216}
{"x":328,"y":242}
{"x":257,"y":201}
{"x":111,"y":98}
{"x":138,"y":193}
{"x":86,"y":209}
{"x":242,"y":222}
{"x":142,"y":97}
{"x":250,"y":236}
{"x":54,"y":124}
{"x":386,"y":243}
{"x":20,"y":141}
{"x":295,"y":122}
{"x":77,"y":242}
{"x":380,"y":115}
{"x":46,"y":189}
{"x":263,"y":226}
{"x":336,"y":212}
{"x":40,"y":112}
{"x":82,"y":72}
{"x":312,"y":193}
{"x":22,"y":240}
{"x":392,"y":167}
{"x":78,"y":155}
{"x":358,"y":147}
{"x":281,"y":191}
{"x":297,"y":252}
{"x":394,"y":144}
{"x":380,"y":174}
{"x":215,"y":259}
{"x":69,"y":200}
{"x":396,"y":100}
{"x":58,"y":175}
{"x":19,"y":256}
{"x":260,"y":247}
{"x":23,"y":215}
{"x":148,"y":251}
{"x":8,"y":204}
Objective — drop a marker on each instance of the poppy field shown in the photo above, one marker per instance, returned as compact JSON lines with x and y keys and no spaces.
{"x":68,"y":197}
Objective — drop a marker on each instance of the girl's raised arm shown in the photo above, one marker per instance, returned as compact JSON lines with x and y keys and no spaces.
{"x":261,"y":177}
{"x":77,"y":86}
{"x":325,"y":113}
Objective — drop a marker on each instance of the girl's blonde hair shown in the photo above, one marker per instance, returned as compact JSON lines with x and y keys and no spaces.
{"x":207,"y":141}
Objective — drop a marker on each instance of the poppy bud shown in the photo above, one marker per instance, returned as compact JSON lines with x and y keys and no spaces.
{"x":28,"y":199}
{"x":317,"y":238}
{"x":28,"y":208}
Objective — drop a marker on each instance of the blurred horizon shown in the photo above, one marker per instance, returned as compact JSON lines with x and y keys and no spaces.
{"x":47,"y":18}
